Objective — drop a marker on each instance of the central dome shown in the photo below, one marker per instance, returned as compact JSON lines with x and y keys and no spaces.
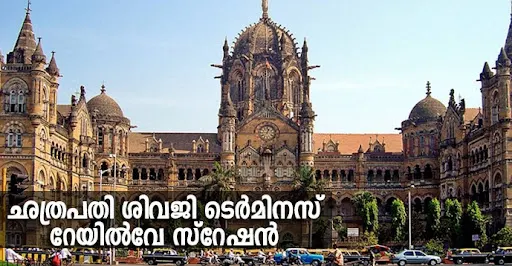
{"x":105,"y":105}
{"x":428,"y":109}
{"x":264,"y":37}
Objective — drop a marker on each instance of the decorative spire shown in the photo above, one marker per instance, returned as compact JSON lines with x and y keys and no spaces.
{"x":52,"y":68}
{"x":82,"y":92}
{"x":486,"y":72}
{"x":225,"y":48}
{"x":103,"y":88}
{"x":26,"y":42}
{"x":304,"y":54}
{"x":508,"y":40}
{"x":28,"y":7}
{"x":452,"y":98}
{"x":503,"y":59}
{"x":38,"y":55}
{"x":428,"y":89}
{"x":264,"y":8}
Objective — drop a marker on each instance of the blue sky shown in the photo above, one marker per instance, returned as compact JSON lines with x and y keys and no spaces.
{"x":375,"y":56}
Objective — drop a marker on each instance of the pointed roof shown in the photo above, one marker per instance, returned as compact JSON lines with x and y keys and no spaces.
{"x":503,"y":59}
{"x":38,"y":56}
{"x":52,"y":68}
{"x":508,"y":41}
{"x":26,"y":40}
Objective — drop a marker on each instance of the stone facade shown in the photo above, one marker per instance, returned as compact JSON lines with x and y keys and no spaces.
{"x":266,"y":129}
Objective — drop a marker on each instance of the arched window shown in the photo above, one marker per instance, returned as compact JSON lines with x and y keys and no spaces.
{"x":13,"y":137}
{"x":422,"y":145}
{"x":495,"y":108}
{"x":45,"y":104}
{"x":100,"y":136}
{"x":241,"y":90}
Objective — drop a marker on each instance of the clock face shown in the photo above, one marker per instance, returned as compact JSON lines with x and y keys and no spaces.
{"x":267,"y":133}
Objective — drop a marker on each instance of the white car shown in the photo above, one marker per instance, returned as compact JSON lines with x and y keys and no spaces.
{"x":415,"y":257}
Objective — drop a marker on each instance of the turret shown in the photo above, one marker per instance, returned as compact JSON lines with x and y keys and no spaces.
{"x":25,"y":44}
{"x":503,"y":65}
{"x":227,"y":115}
{"x":52,"y":68}
{"x":38,"y":57}
{"x":307,"y":118}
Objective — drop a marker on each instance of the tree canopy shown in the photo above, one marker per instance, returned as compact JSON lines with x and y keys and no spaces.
{"x":367,"y":209}
{"x":398,"y":219}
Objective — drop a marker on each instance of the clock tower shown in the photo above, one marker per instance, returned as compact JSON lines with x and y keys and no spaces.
{"x":265,"y":88}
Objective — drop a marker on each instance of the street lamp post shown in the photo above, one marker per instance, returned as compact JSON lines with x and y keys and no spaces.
{"x":410,"y":217}
{"x":112,"y":249}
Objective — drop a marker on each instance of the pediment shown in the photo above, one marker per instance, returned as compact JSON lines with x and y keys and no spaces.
{"x":268,"y":111}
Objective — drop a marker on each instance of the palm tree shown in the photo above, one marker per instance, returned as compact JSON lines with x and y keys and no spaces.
{"x":219,"y":185}
{"x":305,"y":186}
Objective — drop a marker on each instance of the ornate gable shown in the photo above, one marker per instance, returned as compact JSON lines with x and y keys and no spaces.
{"x":153,"y":145}
{"x":268,"y":111}
{"x":200,"y":145}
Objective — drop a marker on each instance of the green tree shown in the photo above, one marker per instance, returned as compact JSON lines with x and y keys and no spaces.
{"x":367,"y":209}
{"x":434,"y":247}
{"x":398,"y":219}
{"x":219,"y":184}
{"x":474,"y":223}
{"x":433,"y":219}
{"x":305,"y":185}
{"x":502,"y":238}
{"x":451,"y":222}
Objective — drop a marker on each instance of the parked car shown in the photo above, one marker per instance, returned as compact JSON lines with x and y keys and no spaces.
{"x":303,"y":254}
{"x":414,"y":257}
{"x":469,"y":255}
{"x":164,"y":256}
{"x":501,"y":256}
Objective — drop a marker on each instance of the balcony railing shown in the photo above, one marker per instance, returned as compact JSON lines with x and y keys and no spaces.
{"x":147,"y":182}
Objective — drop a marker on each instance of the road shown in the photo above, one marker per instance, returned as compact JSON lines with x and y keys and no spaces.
{"x":199,"y":264}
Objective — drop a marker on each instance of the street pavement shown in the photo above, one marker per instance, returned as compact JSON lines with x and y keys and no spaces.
{"x":200,"y":264}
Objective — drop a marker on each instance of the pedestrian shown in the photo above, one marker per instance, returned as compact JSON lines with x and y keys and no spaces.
{"x":372,"y":257}
{"x":338,"y":257}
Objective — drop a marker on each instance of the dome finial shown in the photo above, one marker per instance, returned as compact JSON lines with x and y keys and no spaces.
{"x":264,"y":7}
{"x":428,"y":88}
{"x":103,"y":87}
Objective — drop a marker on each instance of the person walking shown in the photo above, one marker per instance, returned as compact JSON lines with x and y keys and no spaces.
{"x":338,"y":258}
{"x":372,"y":257}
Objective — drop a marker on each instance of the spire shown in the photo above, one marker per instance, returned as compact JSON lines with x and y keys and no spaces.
{"x":103,"y":90}
{"x":428,"y":89}
{"x":503,"y":60}
{"x":304,"y":54}
{"x":225,"y":48}
{"x":264,"y":8}
{"x":486,"y":72}
{"x":452,"y":98}
{"x":38,"y":56}
{"x":26,"y":40}
{"x":52,"y":68}
{"x":82,"y":93}
{"x":508,"y":41}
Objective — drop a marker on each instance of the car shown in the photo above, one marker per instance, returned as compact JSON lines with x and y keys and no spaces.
{"x":414,"y":257}
{"x":303,"y":254}
{"x":469,"y":255}
{"x":501,"y":256}
{"x":164,"y":256}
